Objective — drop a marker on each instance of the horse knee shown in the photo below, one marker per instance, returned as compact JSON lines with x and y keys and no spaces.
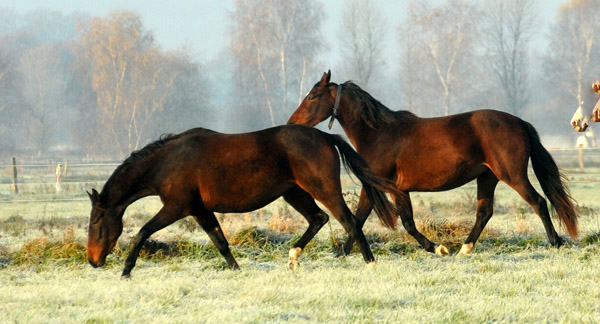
{"x":321,"y":219}
{"x":484,"y":213}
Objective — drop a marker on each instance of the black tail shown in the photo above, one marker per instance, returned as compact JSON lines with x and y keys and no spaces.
{"x":373,"y":185}
{"x":553,"y":183}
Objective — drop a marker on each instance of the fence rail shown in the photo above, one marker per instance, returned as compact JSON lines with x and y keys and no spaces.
{"x":40,"y":179}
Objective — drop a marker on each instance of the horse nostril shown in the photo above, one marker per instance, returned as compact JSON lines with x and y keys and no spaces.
{"x":92,"y":263}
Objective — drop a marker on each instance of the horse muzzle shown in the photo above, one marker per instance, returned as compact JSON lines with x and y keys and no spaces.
{"x":96,"y":264}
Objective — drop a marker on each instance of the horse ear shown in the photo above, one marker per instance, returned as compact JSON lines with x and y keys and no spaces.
{"x":596,"y":86}
{"x":94,"y":196}
{"x":325,"y":78}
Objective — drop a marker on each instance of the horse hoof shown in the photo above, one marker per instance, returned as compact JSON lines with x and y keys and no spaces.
{"x":294,"y":255}
{"x":441,"y":250}
{"x":125,"y":276}
{"x":559,"y":242}
{"x":371,"y":265}
{"x":465,"y":249}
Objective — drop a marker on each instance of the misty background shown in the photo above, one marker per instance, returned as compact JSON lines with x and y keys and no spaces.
{"x":84,"y":78}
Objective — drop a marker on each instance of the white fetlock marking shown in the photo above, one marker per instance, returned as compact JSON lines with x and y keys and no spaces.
{"x":466,"y":249}
{"x":294,"y":255}
{"x":441,"y":250}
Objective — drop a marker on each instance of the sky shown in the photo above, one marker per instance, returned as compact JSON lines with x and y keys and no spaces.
{"x":201,"y":26}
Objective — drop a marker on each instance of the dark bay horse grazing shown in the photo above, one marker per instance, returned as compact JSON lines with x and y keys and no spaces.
{"x":589,"y":107}
{"x":200,"y":172}
{"x":436,"y":154}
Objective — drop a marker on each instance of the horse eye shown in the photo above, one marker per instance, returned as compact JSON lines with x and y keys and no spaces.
{"x":313,"y":97}
{"x":96,"y":221}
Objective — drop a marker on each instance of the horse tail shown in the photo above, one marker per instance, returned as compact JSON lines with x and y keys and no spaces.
{"x":373,"y":184}
{"x":553,"y":183}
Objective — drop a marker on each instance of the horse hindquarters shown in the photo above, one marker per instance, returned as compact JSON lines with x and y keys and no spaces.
{"x":512,"y":169}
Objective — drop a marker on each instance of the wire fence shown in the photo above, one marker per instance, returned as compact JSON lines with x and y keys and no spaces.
{"x":67,"y":180}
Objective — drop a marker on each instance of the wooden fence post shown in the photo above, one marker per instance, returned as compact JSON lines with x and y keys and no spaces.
{"x":14,"y":164}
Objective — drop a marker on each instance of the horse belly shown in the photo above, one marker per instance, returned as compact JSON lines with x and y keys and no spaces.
{"x":444,"y":176}
{"x":239,"y":197}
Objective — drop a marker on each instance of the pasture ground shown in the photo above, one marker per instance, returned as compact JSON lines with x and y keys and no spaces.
{"x":512,"y":276}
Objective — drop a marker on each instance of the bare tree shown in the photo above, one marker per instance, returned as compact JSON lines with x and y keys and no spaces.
{"x":445,"y":36}
{"x":574,"y":50}
{"x":10,"y":96}
{"x":43,"y":75}
{"x":129,"y":75}
{"x":271,"y":41}
{"x":508,"y":28}
{"x":411,"y":67}
{"x":361,"y":36}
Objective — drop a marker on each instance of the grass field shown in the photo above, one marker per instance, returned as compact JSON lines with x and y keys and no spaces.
{"x":512,"y":276}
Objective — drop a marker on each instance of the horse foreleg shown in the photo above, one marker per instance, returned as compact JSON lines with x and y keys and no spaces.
{"x":362,"y":213}
{"x":209,"y":223}
{"x":301,"y":201}
{"x":165,"y":217}
{"x":486,"y":185}
{"x":404,"y":206}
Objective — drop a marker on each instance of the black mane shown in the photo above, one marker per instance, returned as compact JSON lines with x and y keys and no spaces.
{"x":138,"y":156}
{"x":149,"y":149}
{"x":370,"y":110}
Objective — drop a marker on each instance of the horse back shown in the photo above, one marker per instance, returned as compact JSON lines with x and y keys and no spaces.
{"x":240,"y":172}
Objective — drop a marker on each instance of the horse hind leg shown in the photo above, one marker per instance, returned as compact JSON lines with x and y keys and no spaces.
{"x":209,"y":223}
{"x":362,"y":212}
{"x":486,"y":185}
{"x":334,"y":202}
{"x":539,"y":205}
{"x":301,"y":201}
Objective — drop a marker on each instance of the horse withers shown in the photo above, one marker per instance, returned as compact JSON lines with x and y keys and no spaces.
{"x":199,"y":172}
{"x":437,"y":154}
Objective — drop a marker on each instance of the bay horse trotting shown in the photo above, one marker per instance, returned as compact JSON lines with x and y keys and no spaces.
{"x":200,"y":172}
{"x":436,"y":154}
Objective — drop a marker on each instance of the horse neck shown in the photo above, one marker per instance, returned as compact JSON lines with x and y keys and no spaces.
{"x":357,"y":130}
{"x":125,"y":185}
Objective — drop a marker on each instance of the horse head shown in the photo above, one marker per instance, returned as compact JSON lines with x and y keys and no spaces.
{"x":318,"y":104}
{"x":105,"y":227}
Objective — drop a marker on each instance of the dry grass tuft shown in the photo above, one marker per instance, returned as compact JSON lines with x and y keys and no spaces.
{"x":283,"y":221}
{"x":593,"y":238}
{"x":40,"y":251}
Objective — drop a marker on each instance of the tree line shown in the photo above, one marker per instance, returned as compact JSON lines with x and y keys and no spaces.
{"x":102,"y":86}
